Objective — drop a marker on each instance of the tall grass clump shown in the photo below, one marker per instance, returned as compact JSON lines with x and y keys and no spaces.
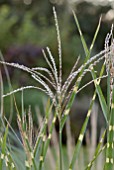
{"x":62,"y":95}
{"x":109,"y":43}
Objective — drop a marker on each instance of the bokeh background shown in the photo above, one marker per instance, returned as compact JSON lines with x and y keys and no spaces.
{"x":27,"y":26}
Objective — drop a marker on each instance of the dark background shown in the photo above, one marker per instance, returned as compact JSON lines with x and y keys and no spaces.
{"x":27,"y":26}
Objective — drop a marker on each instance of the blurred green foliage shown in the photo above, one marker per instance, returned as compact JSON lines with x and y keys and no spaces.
{"x":33,"y":24}
{"x":6,"y":27}
{"x":38,"y":30}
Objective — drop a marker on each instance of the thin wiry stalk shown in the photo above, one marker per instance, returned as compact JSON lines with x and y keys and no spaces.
{"x":99,"y":78}
{"x":9,"y":125}
{"x":1,"y":93}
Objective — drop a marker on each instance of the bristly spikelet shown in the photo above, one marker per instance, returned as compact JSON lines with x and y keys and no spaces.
{"x":59,"y":47}
{"x":109,"y":59}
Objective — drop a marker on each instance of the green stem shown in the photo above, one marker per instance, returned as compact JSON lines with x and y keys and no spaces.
{"x":42,"y":156}
{"x":108,"y":96}
{"x":110,"y":139}
{"x":60,"y":146}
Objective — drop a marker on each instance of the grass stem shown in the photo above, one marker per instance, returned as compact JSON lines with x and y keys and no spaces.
{"x":60,"y":146}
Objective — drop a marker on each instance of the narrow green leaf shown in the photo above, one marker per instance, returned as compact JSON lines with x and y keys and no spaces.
{"x":97,"y":152}
{"x":95,"y":35}
{"x":81,"y":136}
{"x":108,"y":95}
{"x":88,"y":52}
{"x":101,"y":96}
{"x":81,"y":35}
{"x":110,"y":139}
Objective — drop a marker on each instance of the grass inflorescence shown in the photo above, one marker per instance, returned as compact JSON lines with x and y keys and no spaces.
{"x":36,"y":148}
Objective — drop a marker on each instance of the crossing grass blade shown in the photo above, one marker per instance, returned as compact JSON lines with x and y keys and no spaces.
{"x":88,"y":52}
{"x":86,"y":49}
{"x":97,"y":152}
{"x":81,"y":136}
